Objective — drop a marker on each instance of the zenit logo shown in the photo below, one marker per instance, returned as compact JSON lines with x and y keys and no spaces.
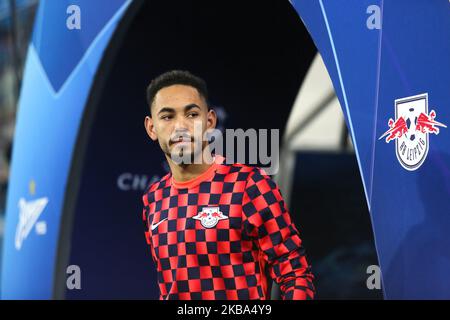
{"x":411,"y":129}
{"x":30,"y":212}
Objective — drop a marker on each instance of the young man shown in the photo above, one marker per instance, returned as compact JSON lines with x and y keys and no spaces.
{"x":214,"y":229}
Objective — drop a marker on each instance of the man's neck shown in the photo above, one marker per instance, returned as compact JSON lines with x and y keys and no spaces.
{"x":186,"y":172}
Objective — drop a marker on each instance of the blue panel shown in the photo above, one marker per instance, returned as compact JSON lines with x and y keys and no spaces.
{"x":46,"y":130}
{"x":59,"y":48}
{"x":399,"y":72}
{"x":411,"y":208}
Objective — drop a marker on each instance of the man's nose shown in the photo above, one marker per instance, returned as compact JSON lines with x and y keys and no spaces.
{"x":180,"y":124}
{"x":180,"y":129}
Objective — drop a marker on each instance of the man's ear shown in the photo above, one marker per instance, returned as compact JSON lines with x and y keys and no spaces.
{"x":211,"y":119}
{"x":150,"y":128}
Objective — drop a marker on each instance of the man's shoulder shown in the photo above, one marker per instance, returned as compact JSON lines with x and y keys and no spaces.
{"x":244,"y":172}
{"x":157,"y":184}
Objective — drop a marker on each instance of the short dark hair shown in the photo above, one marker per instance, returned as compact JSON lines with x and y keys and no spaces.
{"x":174,"y":77}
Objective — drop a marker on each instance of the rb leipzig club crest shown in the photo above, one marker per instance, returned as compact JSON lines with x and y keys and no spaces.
{"x":411,"y":129}
{"x":210,"y":216}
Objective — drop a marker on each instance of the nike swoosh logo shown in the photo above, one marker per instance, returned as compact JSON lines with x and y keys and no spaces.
{"x":154,"y":226}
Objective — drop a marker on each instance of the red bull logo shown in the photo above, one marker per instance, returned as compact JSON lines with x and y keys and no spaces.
{"x":397,"y":129}
{"x":427,"y":124}
{"x":210,"y":216}
{"x":411,"y":129}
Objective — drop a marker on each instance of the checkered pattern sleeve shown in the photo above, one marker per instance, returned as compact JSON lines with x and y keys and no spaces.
{"x":268,"y":222}
{"x":145,"y":212}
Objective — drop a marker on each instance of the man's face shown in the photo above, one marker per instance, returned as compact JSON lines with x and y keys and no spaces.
{"x":176,"y":111}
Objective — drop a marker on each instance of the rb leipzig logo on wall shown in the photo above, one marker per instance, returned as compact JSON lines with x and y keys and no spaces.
{"x":411,"y":129}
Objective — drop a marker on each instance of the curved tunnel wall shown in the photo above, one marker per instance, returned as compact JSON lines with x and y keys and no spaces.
{"x":254,"y":64}
{"x":253,"y":60}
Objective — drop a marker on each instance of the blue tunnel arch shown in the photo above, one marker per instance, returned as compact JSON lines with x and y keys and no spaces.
{"x":57,"y":134}
{"x":252,"y":69}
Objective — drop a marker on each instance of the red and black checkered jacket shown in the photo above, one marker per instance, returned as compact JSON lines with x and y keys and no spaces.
{"x":214,"y":236}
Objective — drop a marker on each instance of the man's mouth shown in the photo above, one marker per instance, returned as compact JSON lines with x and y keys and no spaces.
{"x":180,"y":140}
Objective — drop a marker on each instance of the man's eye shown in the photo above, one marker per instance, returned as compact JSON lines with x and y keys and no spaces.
{"x":166,"y":117}
{"x":192,"y":115}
